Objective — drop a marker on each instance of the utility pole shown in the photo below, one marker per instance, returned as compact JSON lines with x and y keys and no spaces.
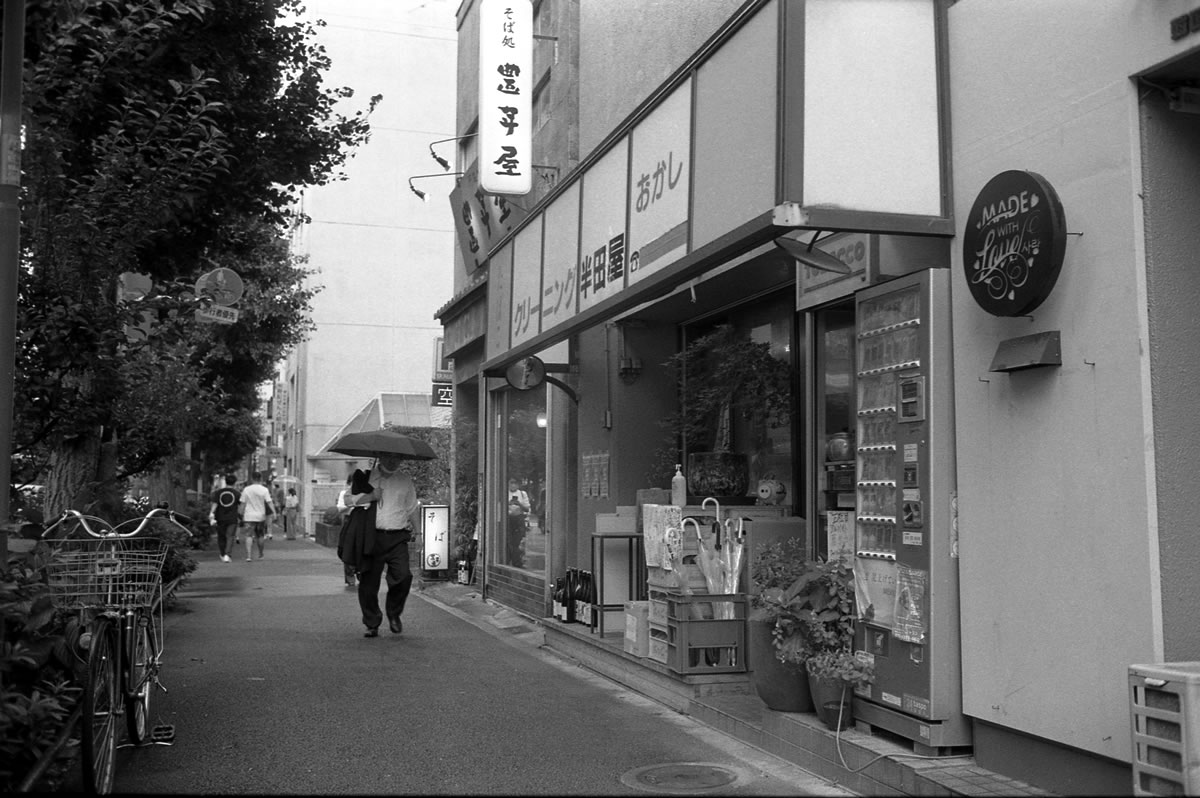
{"x":12,"y":58}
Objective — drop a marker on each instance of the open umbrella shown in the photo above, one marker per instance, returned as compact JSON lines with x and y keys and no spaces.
{"x":383,"y":442}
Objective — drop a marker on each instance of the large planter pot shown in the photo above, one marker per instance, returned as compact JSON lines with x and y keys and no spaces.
{"x":827,"y":694}
{"x":781,"y":686}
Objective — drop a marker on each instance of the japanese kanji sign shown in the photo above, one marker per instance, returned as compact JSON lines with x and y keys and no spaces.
{"x":602,"y":231}
{"x":505,"y":96}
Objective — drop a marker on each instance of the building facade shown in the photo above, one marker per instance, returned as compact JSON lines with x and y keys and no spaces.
{"x":990,"y":352}
{"x":381,"y":256}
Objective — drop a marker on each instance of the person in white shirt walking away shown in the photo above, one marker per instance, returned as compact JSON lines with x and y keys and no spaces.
{"x":256,"y":509}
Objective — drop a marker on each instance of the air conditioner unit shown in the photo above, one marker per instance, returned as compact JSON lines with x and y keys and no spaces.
{"x":1164,"y":709}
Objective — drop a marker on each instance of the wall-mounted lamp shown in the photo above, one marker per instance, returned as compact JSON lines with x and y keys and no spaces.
{"x":421,"y":194}
{"x":442,"y":161}
{"x":812,"y":258}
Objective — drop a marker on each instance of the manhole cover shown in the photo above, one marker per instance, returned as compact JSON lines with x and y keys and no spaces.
{"x":681,"y":778}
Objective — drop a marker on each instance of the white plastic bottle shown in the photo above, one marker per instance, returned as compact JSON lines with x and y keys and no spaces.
{"x":678,"y":487}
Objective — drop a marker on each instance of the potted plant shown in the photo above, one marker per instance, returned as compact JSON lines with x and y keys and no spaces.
{"x":781,"y":684}
{"x":815,"y":627}
{"x":833,"y":676}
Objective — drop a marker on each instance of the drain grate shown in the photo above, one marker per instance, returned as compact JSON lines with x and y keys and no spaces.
{"x":682,"y":778}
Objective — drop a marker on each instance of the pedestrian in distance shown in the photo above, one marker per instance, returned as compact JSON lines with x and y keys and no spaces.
{"x":278,"y":498}
{"x":223,"y":514}
{"x":256,"y":507}
{"x":518,"y":522}
{"x":395,"y":498}
{"x":291,"y":513}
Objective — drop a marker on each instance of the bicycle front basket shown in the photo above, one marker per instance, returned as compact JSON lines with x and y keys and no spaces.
{"x":106,"y":573}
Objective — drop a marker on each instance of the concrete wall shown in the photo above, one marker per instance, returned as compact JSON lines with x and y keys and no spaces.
{"x":1057,"y":524}
{"x":625,"y":53}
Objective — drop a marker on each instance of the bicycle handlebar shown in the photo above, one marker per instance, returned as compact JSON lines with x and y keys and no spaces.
{"x":112,"y":532}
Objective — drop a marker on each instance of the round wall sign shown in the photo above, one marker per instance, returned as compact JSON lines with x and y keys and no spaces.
{"x":1014,"y":243}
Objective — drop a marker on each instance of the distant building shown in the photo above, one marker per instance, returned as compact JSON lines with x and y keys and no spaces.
{"x":382,"y":257}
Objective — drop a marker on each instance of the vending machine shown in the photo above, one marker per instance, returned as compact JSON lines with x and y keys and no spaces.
{"x":905,"y":534}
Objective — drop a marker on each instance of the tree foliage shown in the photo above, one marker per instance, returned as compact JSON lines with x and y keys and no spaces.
{"x":165,"y":138}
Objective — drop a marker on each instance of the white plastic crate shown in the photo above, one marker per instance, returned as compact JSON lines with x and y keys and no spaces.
{"x":1164,"y":708}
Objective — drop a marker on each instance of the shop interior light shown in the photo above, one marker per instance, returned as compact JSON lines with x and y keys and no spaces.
{"x":812,"y":258}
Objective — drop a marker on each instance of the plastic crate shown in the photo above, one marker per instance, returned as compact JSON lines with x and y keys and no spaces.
{"x":656,"y":643}
{"x":1164,"y":707}
{"x":706,"y":633}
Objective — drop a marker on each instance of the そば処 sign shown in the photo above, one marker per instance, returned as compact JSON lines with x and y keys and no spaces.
{"x":505,"y":89}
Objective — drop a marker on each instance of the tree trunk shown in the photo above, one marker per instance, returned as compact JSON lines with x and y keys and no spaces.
{"x":71,"y":476}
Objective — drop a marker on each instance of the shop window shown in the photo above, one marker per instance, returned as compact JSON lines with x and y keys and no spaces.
{"x":739,"y":387}
{"x":522,"y":536}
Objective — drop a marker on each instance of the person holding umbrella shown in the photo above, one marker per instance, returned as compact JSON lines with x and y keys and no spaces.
{"x":396,"y":506}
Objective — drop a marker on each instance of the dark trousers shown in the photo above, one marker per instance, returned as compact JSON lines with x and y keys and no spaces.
{"x":391,"y":553}
{"x":226,"y":532}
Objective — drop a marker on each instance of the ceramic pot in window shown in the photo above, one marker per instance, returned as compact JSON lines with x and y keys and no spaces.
{"x":839,"y":447}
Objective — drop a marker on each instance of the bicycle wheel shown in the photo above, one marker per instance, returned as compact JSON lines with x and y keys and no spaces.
{"x":141,"y":662}
{"x":101,"y":705}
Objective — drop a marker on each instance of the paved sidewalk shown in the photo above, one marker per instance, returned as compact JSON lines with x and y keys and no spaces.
{"x":859,"y":762}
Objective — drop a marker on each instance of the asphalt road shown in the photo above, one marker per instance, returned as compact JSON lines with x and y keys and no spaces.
{"x":274,"y":690}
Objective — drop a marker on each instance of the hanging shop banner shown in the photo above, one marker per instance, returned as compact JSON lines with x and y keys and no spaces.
{"x":559,"y":259}
{"x":1014,"y":243}
{"x":875,"y":590}
{"x":658,"y":198}
{"x":602,"y":248}
{"x":481,"y":219}
{"x":505,"y":91}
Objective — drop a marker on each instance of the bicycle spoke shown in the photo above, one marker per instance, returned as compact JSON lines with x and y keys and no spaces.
{"x":142,"y":668}
{"x":101,"y":705}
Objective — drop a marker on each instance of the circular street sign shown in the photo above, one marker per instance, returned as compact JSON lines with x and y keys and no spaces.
{"x":1014,"y":243}
{"x":222,"y":285}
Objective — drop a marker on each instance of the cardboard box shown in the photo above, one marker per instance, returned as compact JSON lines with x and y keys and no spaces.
{"x":637,"y":628}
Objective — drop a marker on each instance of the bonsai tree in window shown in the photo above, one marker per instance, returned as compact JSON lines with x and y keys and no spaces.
{"x":722,"y":376}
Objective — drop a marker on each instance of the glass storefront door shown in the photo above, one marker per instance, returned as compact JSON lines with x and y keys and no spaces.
{"x":835,"y":423}
{"x":519,"y":532}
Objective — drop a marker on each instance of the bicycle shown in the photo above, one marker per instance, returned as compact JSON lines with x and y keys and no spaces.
{"x":112,"y":580}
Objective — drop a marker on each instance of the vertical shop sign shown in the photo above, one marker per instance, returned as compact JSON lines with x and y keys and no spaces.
{"x":660,"y":182}
{"x":505,"y":89}
{"x":602,"y":260}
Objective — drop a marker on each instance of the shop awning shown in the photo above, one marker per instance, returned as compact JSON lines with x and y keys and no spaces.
{"x":793,"y":117}
{"x":392,"y":409}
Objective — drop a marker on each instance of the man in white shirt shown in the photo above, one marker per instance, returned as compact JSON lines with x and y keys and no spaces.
{"x":396,"y":506}
{"x":256,"y":508}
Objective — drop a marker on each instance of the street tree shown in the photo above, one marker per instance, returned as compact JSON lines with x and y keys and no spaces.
{"x":163,"y":138}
